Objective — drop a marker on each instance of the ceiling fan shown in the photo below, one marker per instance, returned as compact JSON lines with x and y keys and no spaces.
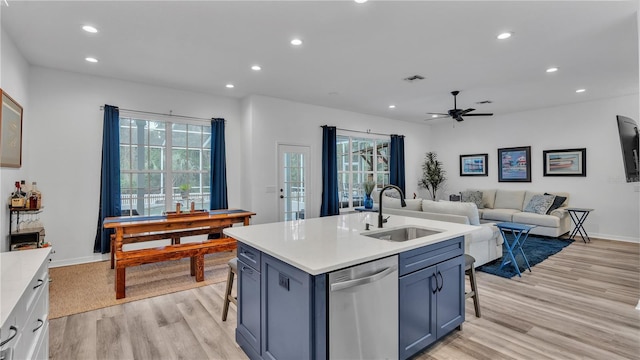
{"x":456,"y":113}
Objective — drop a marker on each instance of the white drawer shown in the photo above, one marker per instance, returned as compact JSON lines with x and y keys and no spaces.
{"x":35,"y":326}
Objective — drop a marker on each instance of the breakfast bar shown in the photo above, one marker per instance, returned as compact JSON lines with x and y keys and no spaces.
{"x":326,"y":288}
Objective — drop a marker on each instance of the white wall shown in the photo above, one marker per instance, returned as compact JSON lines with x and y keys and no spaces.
{"x":590,"y":125}
{"x":14,"y":77}
{"x":63,"y":146}
{"x":274,"y":121}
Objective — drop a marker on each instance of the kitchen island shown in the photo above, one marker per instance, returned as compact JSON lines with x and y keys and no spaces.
{"x":285,"y":306}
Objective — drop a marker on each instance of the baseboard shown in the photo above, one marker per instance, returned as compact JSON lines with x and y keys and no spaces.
{"x":611,"y":237}
{"x":80,"y":260}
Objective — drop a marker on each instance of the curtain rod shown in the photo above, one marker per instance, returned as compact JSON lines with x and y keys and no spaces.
{"x":358,"y":131}
{"x":155,"y":113}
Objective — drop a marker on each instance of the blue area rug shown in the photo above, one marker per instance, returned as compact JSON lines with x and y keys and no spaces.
{"x":536,"y":248}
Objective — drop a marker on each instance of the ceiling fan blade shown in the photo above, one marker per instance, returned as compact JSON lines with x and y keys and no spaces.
{"x":443,"y":116}
{"x":480,"y":114}
{"x":463,"y":112}
{"x":438,"y":114}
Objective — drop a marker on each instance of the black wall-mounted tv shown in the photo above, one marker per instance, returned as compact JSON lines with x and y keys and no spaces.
{"x":629,"y":140}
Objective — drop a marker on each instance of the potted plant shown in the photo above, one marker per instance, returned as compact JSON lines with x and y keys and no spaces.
{"x":368,"y":188}
{"x":433,"y":174}
{"x":184,"y":191}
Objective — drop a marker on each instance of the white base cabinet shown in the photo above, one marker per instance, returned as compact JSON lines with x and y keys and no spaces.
{"x":24,"y":301}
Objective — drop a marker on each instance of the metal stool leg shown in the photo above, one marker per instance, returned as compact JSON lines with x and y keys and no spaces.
{"x":233,"y":268}
{"x":470,"y":270}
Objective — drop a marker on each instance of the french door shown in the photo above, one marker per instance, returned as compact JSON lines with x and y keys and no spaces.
{"x":293,"y":174}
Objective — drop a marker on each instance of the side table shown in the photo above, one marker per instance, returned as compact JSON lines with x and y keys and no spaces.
{"x":518,"y":231}
{"x":579,"y":215}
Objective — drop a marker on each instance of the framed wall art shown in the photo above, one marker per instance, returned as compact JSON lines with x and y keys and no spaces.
{"x":474,"y":165}
{"x":10,"y":132}
{"x":565,"y":162}
{"x":514,"y":164}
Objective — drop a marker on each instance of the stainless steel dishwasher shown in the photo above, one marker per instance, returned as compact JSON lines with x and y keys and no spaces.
{"x":363,"y":311}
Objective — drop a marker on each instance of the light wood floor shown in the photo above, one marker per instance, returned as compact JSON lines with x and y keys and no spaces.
{"x":578,"y":304}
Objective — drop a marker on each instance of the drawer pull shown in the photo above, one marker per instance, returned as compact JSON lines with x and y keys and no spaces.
{"x":15,"y":332}
{"x":40,"y":282}
{"x":248,"y":270}
{"x":39,"y":326}
{"x":249,"y":255}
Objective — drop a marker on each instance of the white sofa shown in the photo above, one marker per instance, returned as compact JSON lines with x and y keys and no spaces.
{"x":484,"y":244}
{"x":510,"y":205}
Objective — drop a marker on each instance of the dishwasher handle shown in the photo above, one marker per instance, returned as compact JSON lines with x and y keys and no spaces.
{"x":365,"y":280}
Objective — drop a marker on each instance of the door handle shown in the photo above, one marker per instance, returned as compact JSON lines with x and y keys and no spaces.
{"x":281,"y":196}
{"x":442,"y":284}
{"x":365,"y":280}
{"x":436,"y":282}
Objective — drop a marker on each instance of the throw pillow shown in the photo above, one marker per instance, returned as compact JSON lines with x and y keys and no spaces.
{"x":557,"y":202}
{"x":392,"y":203}
{"x":472,"y":196}
{"x":539,"y":204}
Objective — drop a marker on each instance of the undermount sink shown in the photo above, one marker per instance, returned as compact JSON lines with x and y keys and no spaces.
{"x":402,"y":234}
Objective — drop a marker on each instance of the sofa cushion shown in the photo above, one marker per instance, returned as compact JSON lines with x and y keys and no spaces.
{"x":498,"y":214}
{"x":536,"y":219}
{"x":557,"y":202}
{"x":489,"y":198}
{"x":473,"y":196}
{"x":509,"y":199}
{"x":539,"y":204}
{"x":392,"y":203}
{"x":470,"y":210}
{"x":483,"y":232}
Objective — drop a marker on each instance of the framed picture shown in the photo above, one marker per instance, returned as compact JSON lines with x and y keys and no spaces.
{"x":10,"y":132}
{"x":514,"y":164}
{"x":566,"y":162}
{"x":474,"y":165}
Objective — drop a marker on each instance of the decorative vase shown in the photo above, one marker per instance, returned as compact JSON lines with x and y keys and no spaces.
{"x":368,"y":201}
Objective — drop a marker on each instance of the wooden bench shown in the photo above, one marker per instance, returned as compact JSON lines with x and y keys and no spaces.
{"x":173,"y":236}
{"x":195,"y":251}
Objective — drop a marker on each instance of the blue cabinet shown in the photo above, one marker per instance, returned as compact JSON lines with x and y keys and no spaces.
{"x":249,"y":282}
{"x":431,"y":294}
{"x":281,"y":309}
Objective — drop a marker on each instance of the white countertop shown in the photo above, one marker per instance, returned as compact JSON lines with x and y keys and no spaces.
{"x":17,"y":269}
{"x":321,"y":245}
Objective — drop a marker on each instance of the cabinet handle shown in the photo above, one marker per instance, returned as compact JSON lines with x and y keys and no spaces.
{"x":249,"y":255}
{"x":436,"y":281}
{"x":40,"y":282}
{"x":248,"y":270}
{"x":15,"y":332}
{"x":442,"y":284}
{"x":39,"y":326}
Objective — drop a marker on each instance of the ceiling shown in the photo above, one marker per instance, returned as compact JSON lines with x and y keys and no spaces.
{"x":353,"y":57}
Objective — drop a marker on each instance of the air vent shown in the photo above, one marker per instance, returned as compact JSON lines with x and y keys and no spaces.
{"x":414,"y":78}
{"x":484,"y":102}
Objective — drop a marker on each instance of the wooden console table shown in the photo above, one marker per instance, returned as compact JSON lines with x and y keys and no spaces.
{"x":147,"y":228}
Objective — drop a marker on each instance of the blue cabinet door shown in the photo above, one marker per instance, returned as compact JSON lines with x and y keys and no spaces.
{"x":417,"y":307}
{"x":286,"y":311}
{"x":249,"y":307}
{"x":450,"y":301}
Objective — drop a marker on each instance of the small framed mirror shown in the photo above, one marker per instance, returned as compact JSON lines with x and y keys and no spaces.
{"x":10,"y":132}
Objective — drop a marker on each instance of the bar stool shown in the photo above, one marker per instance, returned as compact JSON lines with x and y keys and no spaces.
{"x":233,"y":269}
{"x":469,"y":270}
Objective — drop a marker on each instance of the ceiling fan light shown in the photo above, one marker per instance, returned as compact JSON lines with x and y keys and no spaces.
{"x":552,"y":69}
{"x":504,"y":36}
{"x":581,"y":90}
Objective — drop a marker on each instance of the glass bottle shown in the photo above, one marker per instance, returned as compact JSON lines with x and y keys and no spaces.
{"x":35,"y":198}
{"x":18,"y":197}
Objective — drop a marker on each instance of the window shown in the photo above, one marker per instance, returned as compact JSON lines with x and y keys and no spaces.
{"x":163,"y":163}
{"x":360,"y":159}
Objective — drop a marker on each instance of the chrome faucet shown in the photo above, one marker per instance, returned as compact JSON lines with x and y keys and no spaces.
{"x":402,"y":202}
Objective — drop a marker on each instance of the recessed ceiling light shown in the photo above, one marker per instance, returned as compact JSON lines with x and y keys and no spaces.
{"x":434,"y":116}
{"x":229,"y":86}
{"x":360,"y":1}
{"x":552,"y":69}
{"x":581,"y":90}
{"x":90,"y":29}
{"x":256,"y":67}
{"x":92,"y":60}
{"x":504,"y":35}
{"x":392,"y":106}
{"x":296,"y":42}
